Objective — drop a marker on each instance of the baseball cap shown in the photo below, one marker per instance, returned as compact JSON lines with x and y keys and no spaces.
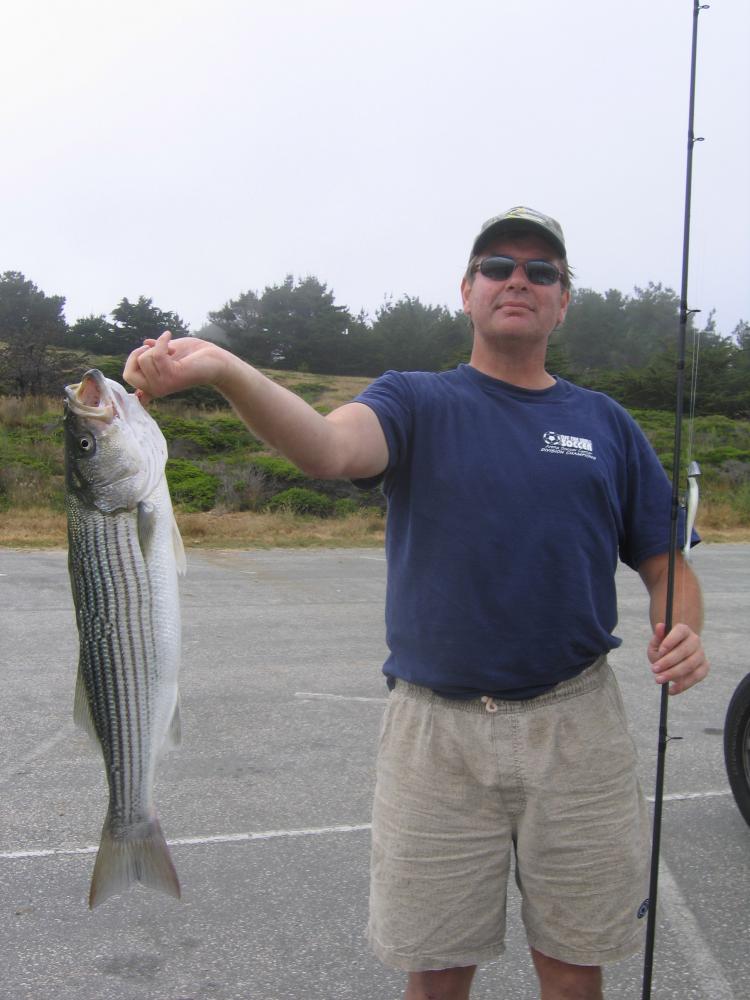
{"x":520,"y":218}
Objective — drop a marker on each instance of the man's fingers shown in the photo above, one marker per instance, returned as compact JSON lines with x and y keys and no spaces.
{"x":677,"y":659}
{"x":686,"y":672}
{"x":143,"y":368}
{"x":681,"y":684}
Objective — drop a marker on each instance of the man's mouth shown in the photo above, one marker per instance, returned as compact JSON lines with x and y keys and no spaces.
{"x":512,"y":304}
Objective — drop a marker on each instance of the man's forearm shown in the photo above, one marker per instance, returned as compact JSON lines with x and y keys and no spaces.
{"x":280,"y":418}
{"x":687,"y":605}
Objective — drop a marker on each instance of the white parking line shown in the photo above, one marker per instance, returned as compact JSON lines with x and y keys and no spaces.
{"x":323,"y":696}
{"x":709,"y":978}
{"x":686,"y":796}
{"x":708,"y":974}
{"x":218,"y":838}
{"x":238,"y":838}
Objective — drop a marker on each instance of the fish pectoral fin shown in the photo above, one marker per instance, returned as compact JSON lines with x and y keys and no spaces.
{"x":179,"y":549}
{"x":82,"y":710}
{"x":174,"y":733}
{"x":146,"y":525}
{"x":140,"y":855}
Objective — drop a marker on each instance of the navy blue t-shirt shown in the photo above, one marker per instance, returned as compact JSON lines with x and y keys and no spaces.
{"x":507,"y":511}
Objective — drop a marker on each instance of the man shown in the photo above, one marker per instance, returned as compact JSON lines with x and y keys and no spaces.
{"x":511,"y":496}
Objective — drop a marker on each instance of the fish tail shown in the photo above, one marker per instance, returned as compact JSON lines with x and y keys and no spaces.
{"x":140,"y":856}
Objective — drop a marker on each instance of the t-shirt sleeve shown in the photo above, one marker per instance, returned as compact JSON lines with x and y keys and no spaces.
{"x":391,"y":398}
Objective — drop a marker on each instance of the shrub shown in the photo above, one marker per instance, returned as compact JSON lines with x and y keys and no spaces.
{"x":735,"y":473}
{"x":740,"y":502}
{"x":278,"y":468}
{"x":309,"y":391}
{"x":240,"y":486}
{"x":345,"y":506}
{"x":191,"y":488}
{"x":719,"y":456}
{"x":25,"y":485}
{"x":298,"y":500}
{"x":215,"y":434}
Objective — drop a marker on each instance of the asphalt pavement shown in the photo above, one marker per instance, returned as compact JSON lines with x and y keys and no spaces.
{"x":267,"y":801}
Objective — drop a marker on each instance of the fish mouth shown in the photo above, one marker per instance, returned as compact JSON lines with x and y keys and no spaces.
{"x":92,"y":397}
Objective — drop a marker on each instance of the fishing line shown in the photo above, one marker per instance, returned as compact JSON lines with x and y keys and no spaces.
{"x":694,"y":360}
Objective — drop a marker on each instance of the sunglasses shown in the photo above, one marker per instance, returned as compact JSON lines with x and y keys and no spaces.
{"x":539,"y":272}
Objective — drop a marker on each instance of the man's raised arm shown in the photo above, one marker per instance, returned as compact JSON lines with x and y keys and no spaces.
{"x":347,"y":444}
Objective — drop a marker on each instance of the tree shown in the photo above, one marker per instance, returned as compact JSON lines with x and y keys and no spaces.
{"x":652,"y":320}
{"x":30,"y":322}
{"x":410,"y":336}
{"x":614,"y":331}
{"x":741,"y":336}
{"x":594,"y":328}
{"x":240,"y":326}
{"x":136,"y":321}
{"x":303,"y":324}
{"x":293,"y":325}
{"x":92,"y":333}
{"x":722,"y":383}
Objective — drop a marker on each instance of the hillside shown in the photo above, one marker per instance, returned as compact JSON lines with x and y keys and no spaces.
{"x":231,"y":490}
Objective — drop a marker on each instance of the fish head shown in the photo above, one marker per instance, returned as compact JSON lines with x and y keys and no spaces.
{"x":115,"y":452}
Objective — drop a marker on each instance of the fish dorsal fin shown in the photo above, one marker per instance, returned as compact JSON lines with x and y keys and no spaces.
{"x":146,"y":525}
{"x":179,"y":549}
{"x":82,"y":710}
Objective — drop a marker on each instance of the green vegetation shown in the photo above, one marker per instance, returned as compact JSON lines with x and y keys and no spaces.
{"x":191,"y":488}
{"x":623,"y":345}
{"x":720,"y":446}
{"x":216,"y":466}
{"x":219,"y":432}
{"x":309,"y":391}
{"x":299,"y":500}
{"x":277,"y":468}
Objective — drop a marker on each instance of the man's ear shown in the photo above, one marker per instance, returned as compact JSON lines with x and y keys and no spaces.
{"x":565,"y":302}
{"x":466,"y":286}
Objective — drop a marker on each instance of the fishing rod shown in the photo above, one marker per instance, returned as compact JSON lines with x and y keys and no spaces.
{"x":685,"y":313}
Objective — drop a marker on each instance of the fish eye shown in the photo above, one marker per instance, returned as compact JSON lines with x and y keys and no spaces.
{"x":86,"y":443}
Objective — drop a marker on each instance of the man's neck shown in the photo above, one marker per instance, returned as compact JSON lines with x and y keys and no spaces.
{"x":526,"y":373}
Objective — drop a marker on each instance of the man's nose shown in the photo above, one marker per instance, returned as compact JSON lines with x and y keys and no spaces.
{"x":518,"y":275}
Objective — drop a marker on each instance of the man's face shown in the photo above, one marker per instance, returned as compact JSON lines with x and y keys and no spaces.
{"x":515,"y":308}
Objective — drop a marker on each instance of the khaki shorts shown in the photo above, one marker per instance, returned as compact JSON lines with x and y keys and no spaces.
{"x":460,"y":788}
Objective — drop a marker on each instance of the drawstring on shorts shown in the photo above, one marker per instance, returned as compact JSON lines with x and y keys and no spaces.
{"x":489,"y":703}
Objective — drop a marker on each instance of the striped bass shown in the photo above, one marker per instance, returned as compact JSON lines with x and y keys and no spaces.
{"x":124,"y":555}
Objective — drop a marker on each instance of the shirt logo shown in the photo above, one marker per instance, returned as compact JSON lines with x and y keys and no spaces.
{"x":566,"y":444}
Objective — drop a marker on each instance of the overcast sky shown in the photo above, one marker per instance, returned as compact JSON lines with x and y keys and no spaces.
{"x":189,"y":151}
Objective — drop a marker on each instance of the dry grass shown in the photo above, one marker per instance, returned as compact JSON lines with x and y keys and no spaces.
{"x":43,"y":529}
{"x":32,"y":528}
{"x":341,"y":388}
{"x":248,"y":530}
{"x":717,"y":522}
{"x":15,"y":410}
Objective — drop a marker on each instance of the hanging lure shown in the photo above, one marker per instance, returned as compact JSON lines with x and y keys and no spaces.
{"x":693,"y":498}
